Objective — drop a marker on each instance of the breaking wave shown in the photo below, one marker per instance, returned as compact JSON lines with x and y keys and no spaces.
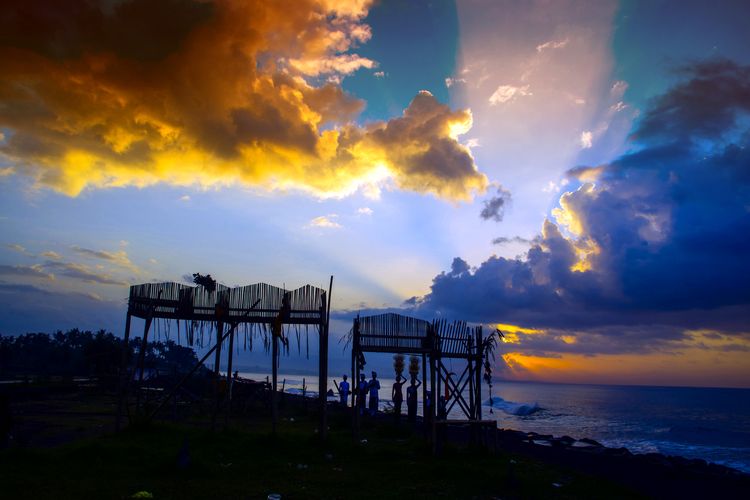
{"x":511,"y":408}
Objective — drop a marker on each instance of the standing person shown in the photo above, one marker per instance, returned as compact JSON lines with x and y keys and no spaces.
{"x":411,"y":399}
{"x":397,"y":396}
{"x":343,"y":388}
{"x":374,"y":387}
{"x":361,"y":394}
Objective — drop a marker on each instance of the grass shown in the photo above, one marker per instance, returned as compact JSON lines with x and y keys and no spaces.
{"x":246,"y":461}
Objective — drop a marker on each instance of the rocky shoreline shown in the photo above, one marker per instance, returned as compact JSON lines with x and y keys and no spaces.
{"x":652,"y":474}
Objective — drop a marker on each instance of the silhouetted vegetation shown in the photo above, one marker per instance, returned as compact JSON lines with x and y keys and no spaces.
{"x":205,"y":281}
{"x":85,"y":353}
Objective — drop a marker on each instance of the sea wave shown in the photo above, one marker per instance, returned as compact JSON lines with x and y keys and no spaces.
{"x":511,"y":408}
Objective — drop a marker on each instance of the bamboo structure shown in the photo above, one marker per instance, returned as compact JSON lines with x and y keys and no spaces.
{"x":436,"y":342}
{"x":256,"y":309}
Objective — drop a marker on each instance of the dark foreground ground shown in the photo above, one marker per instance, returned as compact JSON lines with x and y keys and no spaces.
{"x":64,"y":447}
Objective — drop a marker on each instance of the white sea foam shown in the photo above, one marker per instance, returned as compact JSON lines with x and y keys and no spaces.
{"x":511,"y":408}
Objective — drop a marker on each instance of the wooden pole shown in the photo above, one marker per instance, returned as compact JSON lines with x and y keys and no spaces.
{"x":478,"y":374}
{"x":217,"y":365}
{"x":355,"y":382}
{"x":425,"y":414}
{"x":142,"y":360}
{"x":230,"y":380}
{"x":323,"y":370}
{"x":435,"y":396}
{"x":274,"y":381}
{"x":472,"y":394}
{"x":123,"y":375}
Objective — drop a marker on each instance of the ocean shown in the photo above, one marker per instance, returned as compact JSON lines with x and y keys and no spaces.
{"x":708,"y":423}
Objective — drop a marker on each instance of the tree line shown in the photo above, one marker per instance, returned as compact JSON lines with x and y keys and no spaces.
{"x":85,"y":353}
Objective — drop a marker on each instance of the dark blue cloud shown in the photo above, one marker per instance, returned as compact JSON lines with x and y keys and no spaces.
{"x":27,"y":308}
{"x":665,"y":230}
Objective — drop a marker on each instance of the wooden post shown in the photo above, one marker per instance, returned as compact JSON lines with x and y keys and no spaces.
{"x":478,"y":374}
{"x":230,"y":379}
{"x":435,"y":391}
{"x":274,"y":382}
{"x":323,"y":367}
{"x":217,"y":365}
{"x":472,"y":394}
{"x":355,"y":382}
{"x":123,"y":375}
{"x":142,"y":360}
{"x":425,"y":415}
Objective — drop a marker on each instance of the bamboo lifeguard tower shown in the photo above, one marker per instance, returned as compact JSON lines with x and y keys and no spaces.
{"x":437,"y":342}
{"x":226,"y":310}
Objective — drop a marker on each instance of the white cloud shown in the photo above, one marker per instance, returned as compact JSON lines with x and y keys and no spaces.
{"x":343,"y":64}
{"x":49,"y":254}
{"x":119,"y":258}
{"x":325,"y":221}
{"x":449,"y":82}
{"x":185,"y":197}
{"x":505,"y":93}
{"x":618,"y":89}
{"x":552,"y":45}
{"x":18,"y":248}
{"x":472,"y":143}
{"x":364,"y":211}
{"x":379,"y":74}
{"x":586,"y":138}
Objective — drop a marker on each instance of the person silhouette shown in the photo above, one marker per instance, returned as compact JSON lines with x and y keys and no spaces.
{"x":374,"y":387}
{"x":361,"y":394}
{"x":397,"y":396}
{"x":411,"y":399}
{"x":343,"y":388}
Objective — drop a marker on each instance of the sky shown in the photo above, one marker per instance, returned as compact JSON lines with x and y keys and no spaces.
{"x":573,"y":173}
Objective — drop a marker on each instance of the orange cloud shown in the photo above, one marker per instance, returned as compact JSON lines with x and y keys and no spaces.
{"x":197,"y":93}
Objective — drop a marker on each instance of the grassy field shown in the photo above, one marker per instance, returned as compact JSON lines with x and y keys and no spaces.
{"x":245,"y":461}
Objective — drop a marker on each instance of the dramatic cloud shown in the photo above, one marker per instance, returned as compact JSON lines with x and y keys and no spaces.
{"x":211,"y":93}
{"x":648,"y":247}
{"x":494,"y":208}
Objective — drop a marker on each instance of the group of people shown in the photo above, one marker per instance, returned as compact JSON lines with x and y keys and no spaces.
{"x":371,"y":388}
